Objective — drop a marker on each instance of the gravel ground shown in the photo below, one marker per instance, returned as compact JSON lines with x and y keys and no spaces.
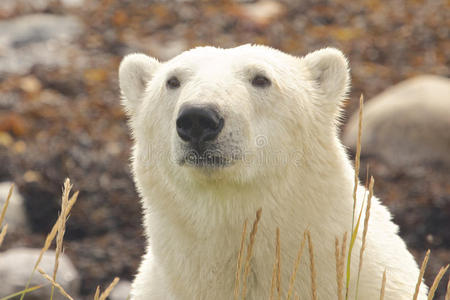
{"x":62,"y":118}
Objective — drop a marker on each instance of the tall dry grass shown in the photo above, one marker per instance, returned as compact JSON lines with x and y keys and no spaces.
{"x":239,"y":262}
{"x":383,"y":285}
{"x":296,"y":264}
{"x":422,"y":271}
{"x":250,"y":252}
{"x":340,"y":261}
{"x":436,"y":281}
{"x":3,"y":213}
{"x":57,"y":232}
{"x":354,"y":228}
{"x":276,"y":270}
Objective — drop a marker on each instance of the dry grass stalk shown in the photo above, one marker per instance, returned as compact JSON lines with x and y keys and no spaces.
{"x":61,"y":228}
{"x":312,"y":266}
{"x":355,"y":189}
{"x":5,"y":205}
{"x":250,"y":252}
{"x":2,"y":216}
{"x":22,"y":292}
{"x":51,"y":236}
{"x":343,"y":251}
{"x":108,"y":290}
{"x":358,"y":154}
{"x":422,"y":271}
{"x":447,"y":295}
{"x":275,"y":264}
{"x":274,"y":276}
{"x":366,"y":227}
{"x":383,"y":285}
{"x":278,"y":264}
{"x":97,"y":293}
{"x":436,"y":281}
{"x":338,"y":270}
{"x":59,"y":287}
{"x":297,"y":297}
{"x":296,"y":265}
{"x":239,"y":261}
{"x":340,"y":259}
{"x":3,"y":233}
{"x":366,"y":219}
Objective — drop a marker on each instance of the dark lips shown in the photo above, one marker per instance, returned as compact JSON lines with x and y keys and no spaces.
{"x":205,"y":160}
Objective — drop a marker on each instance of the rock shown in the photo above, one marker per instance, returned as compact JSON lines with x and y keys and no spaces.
{"x":166,"y":51}
{"x":72,"y":3}
{"x":12,"y":5}
{"x":121,"y":291}
{"x":263,"y":12}
{"x":29,"y":29}
{"x":9,"y":6}
{"x":16,"y":266}
{"x":15,"y":215}
{"x":36,"y":39}
{"x":406,"y":125}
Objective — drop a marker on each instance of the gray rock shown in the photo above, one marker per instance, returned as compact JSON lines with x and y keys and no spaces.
{"x":15,"y":215}
{"x":36,"y":39}
{"x":72,"y":3}
{"x":16,"y":266}
{"x":28,"y":5}
{"x":166,"y":51}
{"x":121,"y":291}
{"x":407,"y":125}
{"x":10,"y":6}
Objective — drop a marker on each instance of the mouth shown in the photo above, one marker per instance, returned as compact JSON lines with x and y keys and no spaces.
{"x":206,"y":159}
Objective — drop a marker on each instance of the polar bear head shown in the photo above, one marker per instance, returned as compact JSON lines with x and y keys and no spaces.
{"x":232,"y":115}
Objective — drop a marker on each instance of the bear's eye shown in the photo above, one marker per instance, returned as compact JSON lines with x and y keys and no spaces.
{"x":173,"y":83}
{"x":260,"y":81}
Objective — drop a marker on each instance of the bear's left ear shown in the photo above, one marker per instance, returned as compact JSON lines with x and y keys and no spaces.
{"x":329,"y":69}
{"x":135,"y":71}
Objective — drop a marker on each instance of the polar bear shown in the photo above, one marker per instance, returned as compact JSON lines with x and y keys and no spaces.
{"x":220,"y":133}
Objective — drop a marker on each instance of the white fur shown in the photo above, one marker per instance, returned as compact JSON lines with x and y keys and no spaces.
{"x":293,"y":166}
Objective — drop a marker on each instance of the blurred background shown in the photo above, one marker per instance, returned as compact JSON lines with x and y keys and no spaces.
{"x":60,"y":114}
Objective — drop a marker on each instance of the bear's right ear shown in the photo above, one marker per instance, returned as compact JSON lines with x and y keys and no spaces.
{"x":135,"y":71}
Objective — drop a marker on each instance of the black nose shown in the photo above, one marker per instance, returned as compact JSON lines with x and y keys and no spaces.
{"x":197,"y":124}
